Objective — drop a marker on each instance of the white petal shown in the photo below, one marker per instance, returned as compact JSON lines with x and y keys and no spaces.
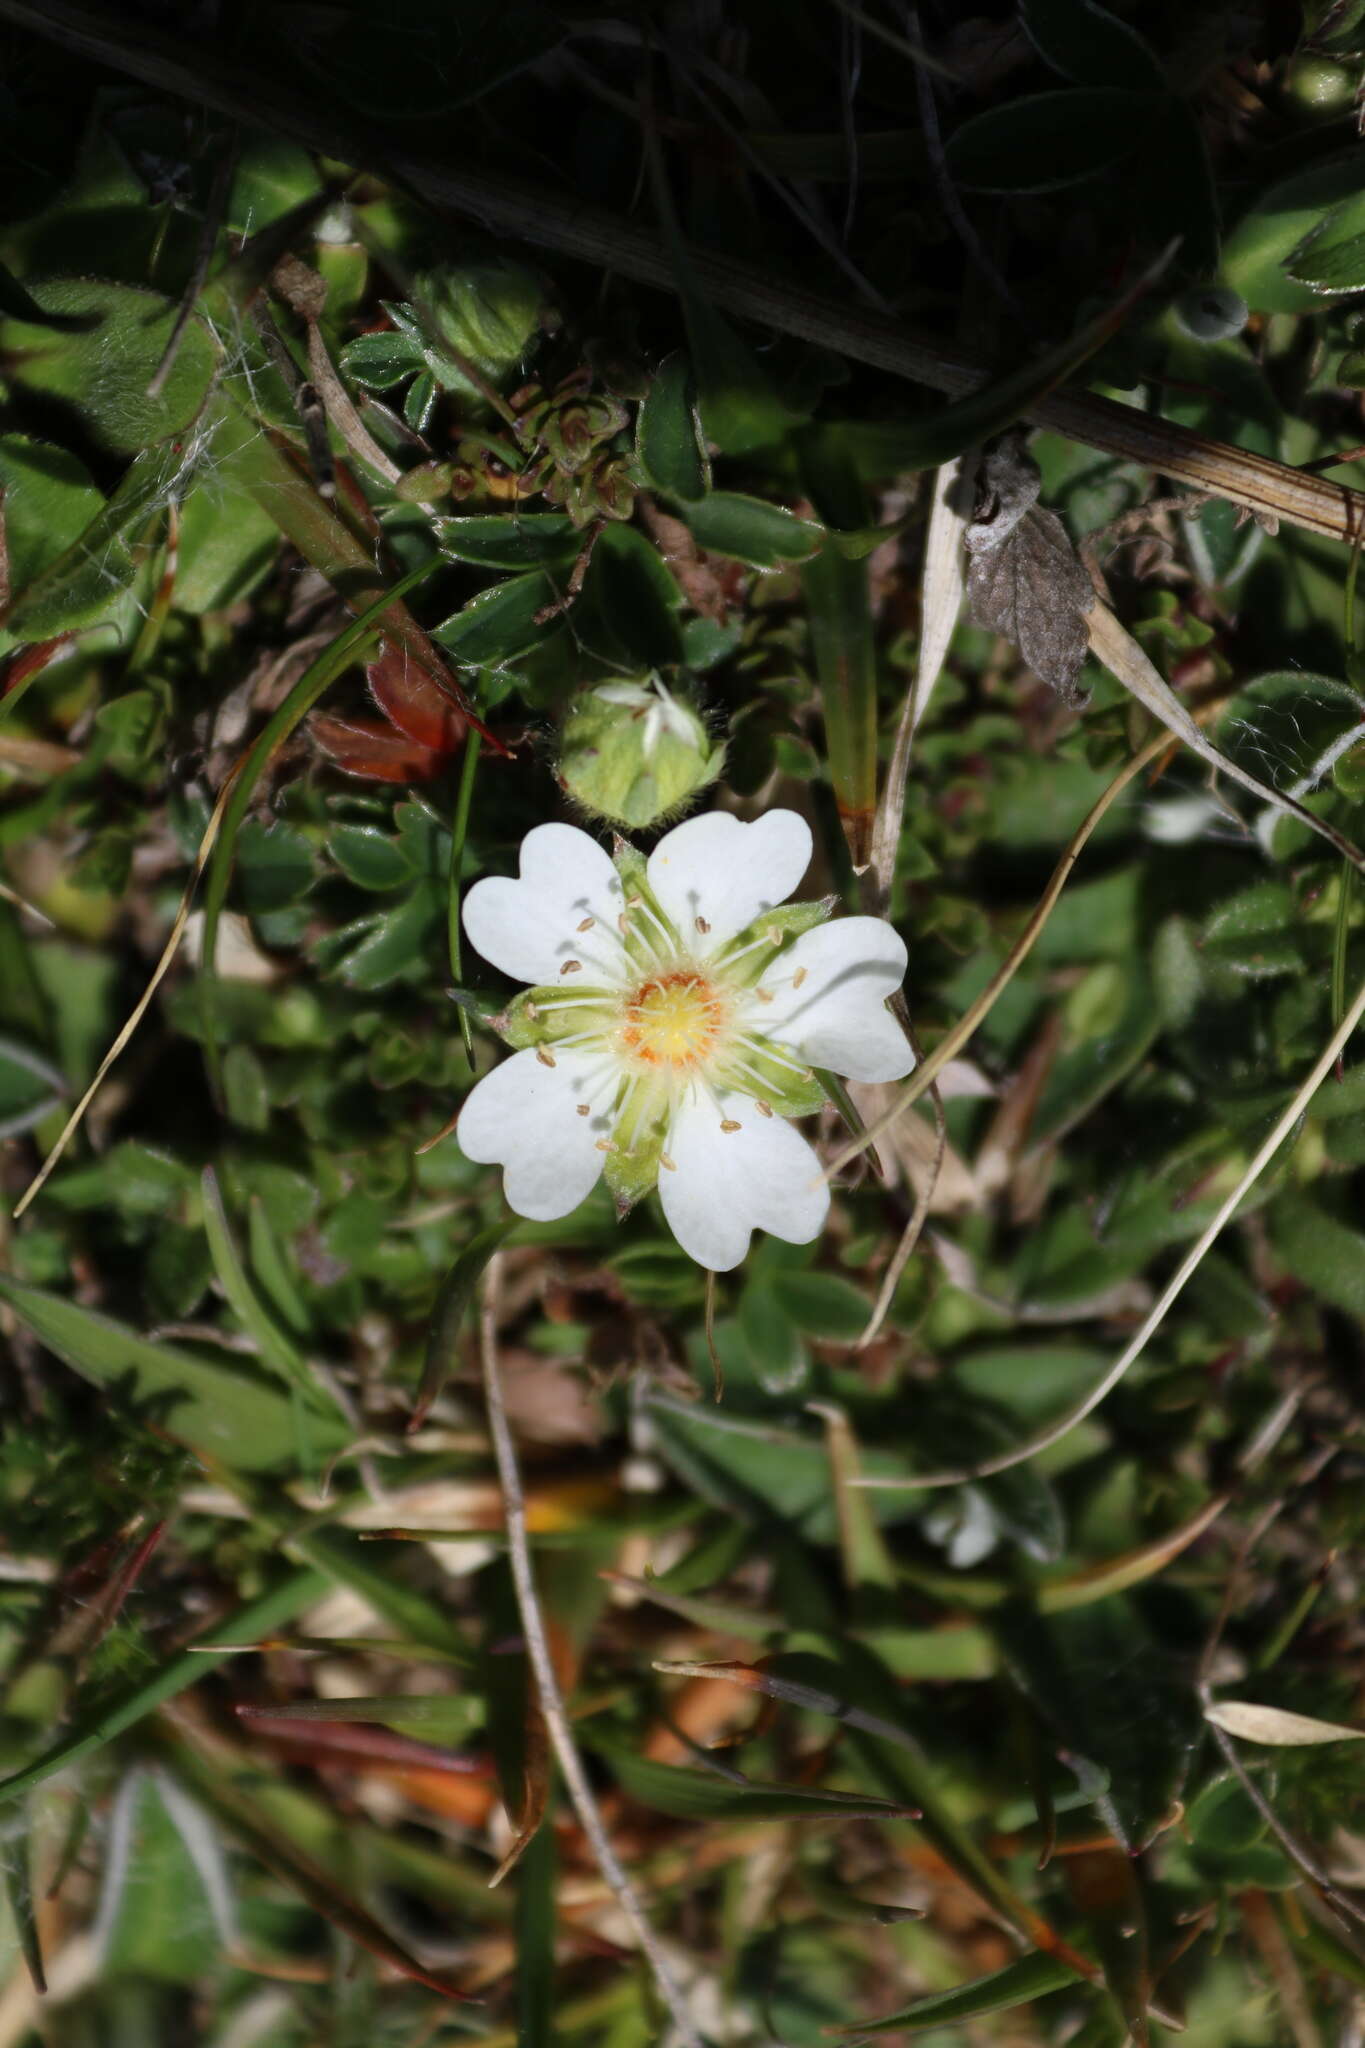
{"x":726,"y":873}
{"x":838,"y":1017}
{"x":524,"y":1117}
{"x":725,"y":1184}
{"x":529,"y":928}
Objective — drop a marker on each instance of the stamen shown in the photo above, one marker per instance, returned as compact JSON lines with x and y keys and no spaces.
{"x":727,"y":1123}
{"x":799,"y":976}
{"x":605,"y":1145}
{"x":671,"y":1164}
{"x":586,"y":925}
{"x":547,"y":1059}
{"x":765,"y":995}
{"x":763,"y":1108}
{"x":702,"y":926}
{"x":531,"y":1010}
{"x":572,"y":967}
{"x":585,"y":1109}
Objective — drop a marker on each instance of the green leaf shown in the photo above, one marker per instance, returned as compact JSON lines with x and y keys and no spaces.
{"x":750,"y":530}
{"x":1319,"y":1249}
{"x":1107,"y":1688}
{"x":384,"y":945}
{"x":274,"y":866}
{"x":50,"y":501}
{"x":160,"y":1919}
{"x":371,"y":858}
{"x":1031,"y":1976}
{"x":501,"y":622}
{"x":777,"y":1356}
{"x":226,"y":544}
{"x":348,"y":646}
{"x":30,"y":1086}
{"x":522,"y":540}
{"x":379,"y":361}
{"x":1087,"y":43}
{"x":634,"y":596}
{"x":271,"y":177}
{"x":701,"y":1795}
{"x":821,"y":1305}
{"x":261,"y":1617}
{"x":87,"y":579}
{"x":277,"y":1350}
{"x":1045,"y":140}
{"x":228,"y":1412}
{"x":103,"y":364}
{"x":1254,"y":935}
{"x":1332,"y":258}
{"x":1258,"y":253}
{"x":452,"y":1304}
{"x":668,"y":441}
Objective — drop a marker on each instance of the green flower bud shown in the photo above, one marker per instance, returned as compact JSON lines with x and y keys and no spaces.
{"x":635,"y":755}
{"x":486,"y":311}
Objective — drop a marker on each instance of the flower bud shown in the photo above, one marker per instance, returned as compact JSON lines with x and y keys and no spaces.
{"x":634,"y":754}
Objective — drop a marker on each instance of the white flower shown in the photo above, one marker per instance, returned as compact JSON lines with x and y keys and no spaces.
{"x":674,"y":1020}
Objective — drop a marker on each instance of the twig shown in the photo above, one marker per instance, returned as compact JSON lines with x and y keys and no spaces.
{"x":910,"y":1236}
{"x":542,"y":1665}
{"x":1344,"y":1907}
{"x":559,"y":220}
{"x":1044,"y":1440}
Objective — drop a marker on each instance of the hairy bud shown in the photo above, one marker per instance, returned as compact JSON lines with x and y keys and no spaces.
{"x":634,"y":754}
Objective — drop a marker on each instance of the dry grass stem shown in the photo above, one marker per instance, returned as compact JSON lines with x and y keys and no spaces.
{"x":542,"y":1666}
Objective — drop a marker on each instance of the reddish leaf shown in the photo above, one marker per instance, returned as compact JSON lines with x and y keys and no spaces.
{"x":411,"y":700}
{"x":363,"y":746}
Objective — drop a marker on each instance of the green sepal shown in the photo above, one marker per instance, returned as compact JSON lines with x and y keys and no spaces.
{"x":786,"y":1094}
{"x":787,"y":922}
{"x":633,"y":1162}
{"x":536,"y":1017}
{"x":478,"y":1004}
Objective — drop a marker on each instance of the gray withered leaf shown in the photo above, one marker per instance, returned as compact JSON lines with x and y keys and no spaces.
{"x":1023,"y":578}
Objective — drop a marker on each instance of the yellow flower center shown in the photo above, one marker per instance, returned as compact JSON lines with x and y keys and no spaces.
{"x":676,"y":1020}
